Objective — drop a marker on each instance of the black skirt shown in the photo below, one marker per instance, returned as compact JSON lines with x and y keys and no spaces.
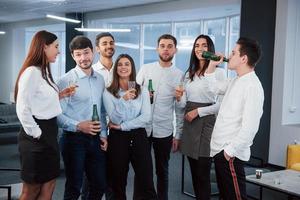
{"x":40,"y":157}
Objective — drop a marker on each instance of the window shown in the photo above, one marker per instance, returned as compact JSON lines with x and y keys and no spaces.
{"x":185,"y":33}
{"x":151,"y":34}
{"x":216,"y":29}
{"x":141,"y":42}
{"x":59,"y":67}
{"x":128,"y":42}
{"x":233,"y":37}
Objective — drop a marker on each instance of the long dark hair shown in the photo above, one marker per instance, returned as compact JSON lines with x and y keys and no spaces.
{"x":115,"y":85}
{"x":194,"y":61}
{"x":36,"y":57}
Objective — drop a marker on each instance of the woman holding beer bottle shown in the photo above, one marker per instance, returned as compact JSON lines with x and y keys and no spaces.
{"x":201,"y":106}
{"x":128,"y":107}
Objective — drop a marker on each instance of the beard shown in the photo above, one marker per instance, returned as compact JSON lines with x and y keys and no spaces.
{"x":85,"y":66}
{"x":109,"y":53}
{"x":167,"y":59}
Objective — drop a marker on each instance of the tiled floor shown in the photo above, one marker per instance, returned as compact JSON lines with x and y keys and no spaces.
{"x":9,"y":158}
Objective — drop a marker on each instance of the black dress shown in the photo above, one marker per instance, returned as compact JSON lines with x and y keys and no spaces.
{"x":40,"y":157}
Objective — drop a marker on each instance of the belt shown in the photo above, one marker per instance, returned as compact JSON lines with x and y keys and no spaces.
{"x":80,"y":133}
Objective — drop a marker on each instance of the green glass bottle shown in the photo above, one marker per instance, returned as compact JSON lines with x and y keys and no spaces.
{"x":95,"y":116}
{"x":211,"y":56}
{"x":151,"y":91}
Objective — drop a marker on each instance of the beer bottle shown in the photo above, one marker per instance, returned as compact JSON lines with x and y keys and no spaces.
{"x":95,"y":116}
{"x":211,"y":56}
{"x":151,"y":91}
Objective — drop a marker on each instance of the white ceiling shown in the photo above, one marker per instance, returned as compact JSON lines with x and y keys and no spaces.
{"x":20,"y":10}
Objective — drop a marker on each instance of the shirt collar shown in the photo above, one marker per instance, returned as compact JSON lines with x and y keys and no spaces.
{"x":245,"y":76}
{"x":100,"y":66}
{"x":80,"y":74}
{"x":166,"y":68}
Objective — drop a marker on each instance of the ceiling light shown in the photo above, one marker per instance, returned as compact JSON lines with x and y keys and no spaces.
{"x":2,"y":32}
{"x":103,"y":29}
{"x":63,"y":19}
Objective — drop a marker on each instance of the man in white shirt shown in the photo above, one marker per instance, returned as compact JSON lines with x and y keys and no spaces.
{"x":105,"y":46}
{"x":238,"y":118}
{"x":165,"y":77}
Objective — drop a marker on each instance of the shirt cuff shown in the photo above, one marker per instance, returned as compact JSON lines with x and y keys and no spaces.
{"x":229,"y":151}
{"x":103,"y":134}
{"x":73,"y":126}
{"x":35,"y":132}
{"x":181,"y":103}
{"x":177,"y":136}
{"x":199,"y":112}
{"x":124,"y":127}
{"x":210,"y":74}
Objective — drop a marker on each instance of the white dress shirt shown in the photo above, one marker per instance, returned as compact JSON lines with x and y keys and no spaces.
{"x":239,"y":115}
{"x":199,"y":91}
{"x":36,"y":98}
{"x":164,"y":80}
{"x":107,"y":74}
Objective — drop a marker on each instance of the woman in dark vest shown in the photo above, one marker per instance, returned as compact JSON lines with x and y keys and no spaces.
{"x":201,"y":106}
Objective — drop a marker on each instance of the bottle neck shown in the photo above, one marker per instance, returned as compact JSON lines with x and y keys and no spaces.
{"x":150,"y":87}
{"x":95,"y":111}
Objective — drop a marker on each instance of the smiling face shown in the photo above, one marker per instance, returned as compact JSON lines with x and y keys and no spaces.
{"x":106,"y":47}
{"x":200,"y":46}
{"x":166,"y":50}
{"x":124,"y":68}
{"x":83,"y":57}
{"x":51,"y":51}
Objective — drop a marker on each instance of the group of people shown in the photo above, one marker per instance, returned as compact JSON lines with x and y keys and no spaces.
{"x":216,"y":119}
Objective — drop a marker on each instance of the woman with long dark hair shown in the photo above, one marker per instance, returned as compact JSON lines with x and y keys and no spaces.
{"x":128,"y":107}
{"x":201,"y":106}
{"x":37,"y":105}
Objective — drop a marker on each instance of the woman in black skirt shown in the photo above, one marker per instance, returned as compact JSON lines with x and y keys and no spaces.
{"x":37,"y":103}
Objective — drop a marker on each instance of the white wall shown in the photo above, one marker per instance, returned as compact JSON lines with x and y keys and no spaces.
{"x":6,"y":66}
{"x":12,"y":54}
{"x":285,"y":83}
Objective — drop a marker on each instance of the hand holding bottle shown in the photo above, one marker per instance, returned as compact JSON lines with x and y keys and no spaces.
{"x":215,"y":57}
{"x":214,"y":63}
{"x":89,"y":127}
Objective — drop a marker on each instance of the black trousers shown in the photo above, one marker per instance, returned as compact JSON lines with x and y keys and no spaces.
{"x":126,"y":147}
{"x":230,"y":177}
{"x":200,"y":170}
{"x":162,"y":149}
